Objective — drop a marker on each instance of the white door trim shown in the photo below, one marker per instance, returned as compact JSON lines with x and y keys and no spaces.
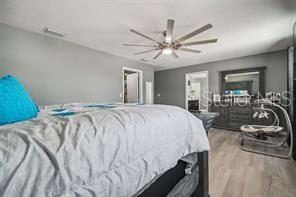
{"x":140,"y":82}
{"x":187,"y":75}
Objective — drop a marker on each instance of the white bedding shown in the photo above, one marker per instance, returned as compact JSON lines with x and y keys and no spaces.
{"x":101,"y":150}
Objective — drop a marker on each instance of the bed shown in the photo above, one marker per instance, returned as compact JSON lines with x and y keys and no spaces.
{"x":110,"y":149}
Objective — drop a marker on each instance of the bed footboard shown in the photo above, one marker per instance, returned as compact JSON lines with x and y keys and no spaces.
{"x":203,"y":157}
{"x":203,"y":185}
{"x":195,"y":184}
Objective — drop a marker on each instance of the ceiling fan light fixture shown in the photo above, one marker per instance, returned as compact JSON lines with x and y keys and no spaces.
{"x":170,"y":46}
{"x":167,"y":51}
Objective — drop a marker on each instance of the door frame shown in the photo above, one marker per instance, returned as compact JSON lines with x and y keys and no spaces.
{"x":140,"y":82}
{"x":187,"y":75}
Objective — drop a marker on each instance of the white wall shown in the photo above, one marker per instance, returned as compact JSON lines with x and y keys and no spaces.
{"x":55,"y":71}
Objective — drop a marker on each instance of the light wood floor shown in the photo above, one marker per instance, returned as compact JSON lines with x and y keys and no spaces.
{"x":235,"y":173}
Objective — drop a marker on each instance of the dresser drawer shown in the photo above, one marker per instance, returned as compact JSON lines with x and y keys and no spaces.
{"x":219,"y":109}
{"x":240,"y":110}
{"x":240,"y":117}
{"x":235,"y":125}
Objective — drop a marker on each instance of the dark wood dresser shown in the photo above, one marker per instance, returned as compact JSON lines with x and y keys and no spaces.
{"x":233,"y":116}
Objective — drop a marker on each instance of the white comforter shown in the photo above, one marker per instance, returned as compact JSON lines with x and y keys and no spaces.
{"x":108,"y":150}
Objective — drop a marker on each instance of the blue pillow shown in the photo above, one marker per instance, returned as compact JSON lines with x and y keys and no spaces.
{"x":16,"y":103}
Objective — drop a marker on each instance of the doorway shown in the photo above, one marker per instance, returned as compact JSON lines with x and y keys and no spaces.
{"x":132,"y":85}
{"x":196,"y":91}
{"x":149,"y":93}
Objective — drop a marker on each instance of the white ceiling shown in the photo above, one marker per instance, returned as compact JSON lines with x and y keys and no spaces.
{"x":243,"y":27}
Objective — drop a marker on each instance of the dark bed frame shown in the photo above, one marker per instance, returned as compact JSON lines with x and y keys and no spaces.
{"x":164,"y":184}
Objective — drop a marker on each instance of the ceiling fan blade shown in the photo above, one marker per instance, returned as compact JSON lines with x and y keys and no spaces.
{"x":189,"y":50}
{"x":145,"y":51}
{"x":199,"y":42}
{"x":169,"y":31}
{"x":138,"y":45}
{"x":144,"y":36}
{"x":158,"y":54}
{"x":175,"y":54}
{"x":194,"y":33}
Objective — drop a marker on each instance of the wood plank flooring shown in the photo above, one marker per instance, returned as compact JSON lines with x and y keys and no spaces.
{"x":235,"y":173}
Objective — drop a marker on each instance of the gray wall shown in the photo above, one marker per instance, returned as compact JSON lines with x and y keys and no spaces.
{"x":55,"y":71}
{"x":170,"y":84}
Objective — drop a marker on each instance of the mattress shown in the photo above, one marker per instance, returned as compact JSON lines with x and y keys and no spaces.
{"x":88,"y":149}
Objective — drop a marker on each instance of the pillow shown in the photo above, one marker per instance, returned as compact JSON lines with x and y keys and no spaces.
{"x":16,"y":103}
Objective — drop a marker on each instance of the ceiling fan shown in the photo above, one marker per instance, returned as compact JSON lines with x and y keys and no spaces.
{"x":170,"y":46}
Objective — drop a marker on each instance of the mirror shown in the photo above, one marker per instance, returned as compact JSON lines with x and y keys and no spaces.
{"x":245,"y":84}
